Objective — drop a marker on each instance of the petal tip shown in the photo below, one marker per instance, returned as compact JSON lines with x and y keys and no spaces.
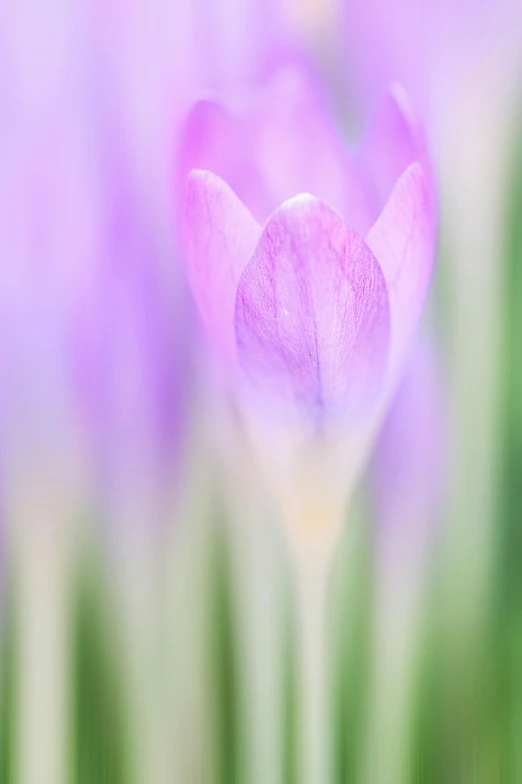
{"x":203,"y":181}
{"x":400,"y":96}
{"x":300,"y":199}
{"x":198,"y":175}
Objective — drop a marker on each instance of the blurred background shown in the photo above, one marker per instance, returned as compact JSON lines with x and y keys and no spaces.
{"x":147,"y":608}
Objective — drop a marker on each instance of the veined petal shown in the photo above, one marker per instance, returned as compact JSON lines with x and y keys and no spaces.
{"x":221,"y":236}
{"x":403,"y":241}
{"x":312,"y":319}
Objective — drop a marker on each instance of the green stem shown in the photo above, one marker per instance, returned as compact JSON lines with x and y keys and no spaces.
{"x":314,"y":756}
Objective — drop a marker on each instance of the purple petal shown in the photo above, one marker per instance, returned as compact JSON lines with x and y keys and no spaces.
{"x":399,"y":37}
{"x":302,"y":152}
{"x":277,"y":144}
{"x":220,"y":237}
{"x":394,"y":140}
{"x":312,"y":313}
{"x":403,"y":240}
{"x":216,"y":140}
{"x":129,"y":346}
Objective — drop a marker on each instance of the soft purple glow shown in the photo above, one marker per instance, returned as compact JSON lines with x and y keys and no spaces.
{"x":326,"y":290}
{"x":312,"y":320}
{"x":403,"y":239}
{"x":257,"y":145}
{"x":216,"y":256}
{"x":432,"y":47}
{"x":93,"y":369}
{"x":409,"y":465}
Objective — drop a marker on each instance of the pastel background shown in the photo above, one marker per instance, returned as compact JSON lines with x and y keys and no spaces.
{"x":191,"y":589}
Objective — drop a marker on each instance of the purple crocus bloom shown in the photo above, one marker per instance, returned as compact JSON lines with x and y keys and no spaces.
{"x":309,"y":263}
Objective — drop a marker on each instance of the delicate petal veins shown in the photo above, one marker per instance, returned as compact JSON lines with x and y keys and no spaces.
{"x":312,"y":319}
{"x":403,"y":240}
{"x":220,"y":237}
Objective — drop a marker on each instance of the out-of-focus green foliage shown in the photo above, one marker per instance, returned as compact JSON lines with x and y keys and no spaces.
{"x":7,"y":685}
{"x":98,"y":697}
{"x":225,"y":701}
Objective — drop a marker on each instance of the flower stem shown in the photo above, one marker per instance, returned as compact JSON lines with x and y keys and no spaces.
{"x":314,"y":756}
{"x":44,"y":657}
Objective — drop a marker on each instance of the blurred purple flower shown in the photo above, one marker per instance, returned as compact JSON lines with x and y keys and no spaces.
{"x":131,"y":351}
{"x":158,"y":54}
{"x":312,"y":302}
{"x":49,"y":237}
{"x":433,"y":47}
{"x":409,"y":483}
{"x":409,"y":464}
{"x":93,"y":366}
{"x":310,"y":266}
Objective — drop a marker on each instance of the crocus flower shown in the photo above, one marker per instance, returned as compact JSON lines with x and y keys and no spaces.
{"x":310,"y":266}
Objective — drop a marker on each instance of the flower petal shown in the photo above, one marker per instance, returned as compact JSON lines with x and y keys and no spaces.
{"x":302,"y":152}
{"x":403,"y":240}
{"x":220,"y":237}
{"x":312,"y":320}
{"x":392,"y":143}
{"x":260,"y":149}
{"x":214,"y":139}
